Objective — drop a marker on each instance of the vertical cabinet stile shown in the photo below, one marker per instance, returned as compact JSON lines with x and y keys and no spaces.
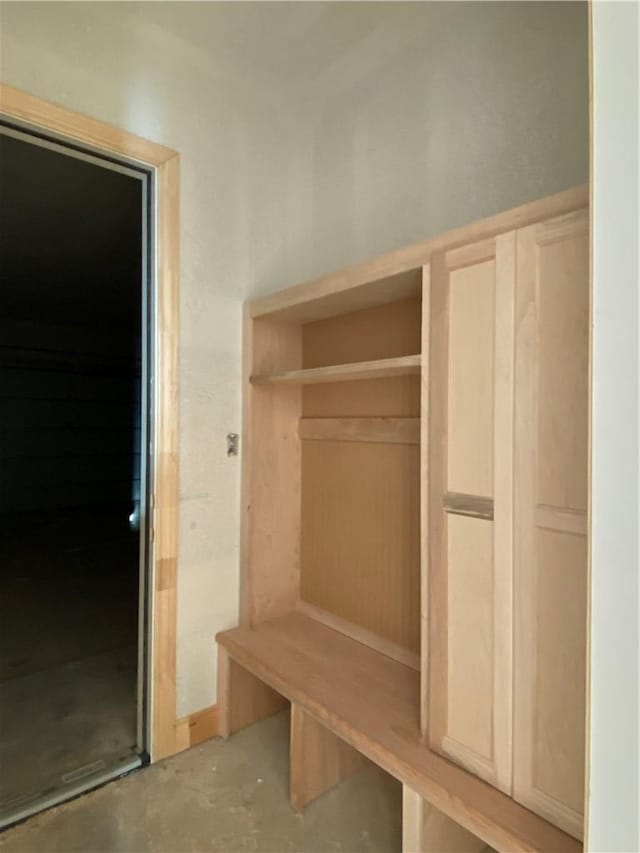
{"x":424,"y":501}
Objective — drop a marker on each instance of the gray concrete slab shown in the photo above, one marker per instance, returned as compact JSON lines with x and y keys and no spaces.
{"x":221,"y":796}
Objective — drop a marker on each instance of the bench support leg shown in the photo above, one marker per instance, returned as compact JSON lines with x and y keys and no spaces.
{"x":242,"y":698}
{"x":427,"y":830}
{"x":319,"y":759}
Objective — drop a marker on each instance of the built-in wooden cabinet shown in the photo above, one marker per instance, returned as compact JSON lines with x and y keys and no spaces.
{"x":414,"y":566}
{"x":507,"y":512}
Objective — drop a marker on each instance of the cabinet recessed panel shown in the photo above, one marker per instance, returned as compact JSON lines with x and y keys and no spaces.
{"x":471,"y":379}
{"x":470,"y":636}
{"x":563,"y":335}
{"x":559,"y":720}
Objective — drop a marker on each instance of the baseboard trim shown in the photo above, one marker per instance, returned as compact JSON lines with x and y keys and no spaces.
{"x":196,"y":728}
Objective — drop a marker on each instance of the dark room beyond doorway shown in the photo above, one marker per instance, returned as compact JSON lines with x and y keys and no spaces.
{"x":72,"y":400}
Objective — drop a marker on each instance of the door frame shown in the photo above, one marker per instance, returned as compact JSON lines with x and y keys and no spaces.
{"x":163,"y":501}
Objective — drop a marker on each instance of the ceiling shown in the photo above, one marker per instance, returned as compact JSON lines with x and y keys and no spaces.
{"x":70,"y":239}
{"x":290,"y":41}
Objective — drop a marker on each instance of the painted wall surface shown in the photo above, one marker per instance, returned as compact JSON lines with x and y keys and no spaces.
{"x":312,"y":135}
{"x":231,"y":130}
{"x":614,"y":751}
{"x":447,"y":113}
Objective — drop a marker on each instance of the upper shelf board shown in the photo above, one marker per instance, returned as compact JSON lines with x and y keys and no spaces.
{"x":379,"y":369}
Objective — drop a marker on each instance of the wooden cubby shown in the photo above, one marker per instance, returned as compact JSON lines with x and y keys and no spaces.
{"x":392,"y":412}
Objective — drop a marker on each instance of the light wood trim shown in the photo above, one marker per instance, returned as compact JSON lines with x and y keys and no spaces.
{"x":436,"y":486}
{"x":165,"y":489}
{"x":84,"y":129}
{"x":272,"y":491}
{"x":104,"y":137}
{"x":471,"y":505}
{"x":361,"y":635}
{"x":376,"y":430}
{"x":427,"y":830}
{"x":319,"y":759}
{"x":223,"y":689}
{"x":379,"y":369}
{"x":425,"y":468}
{"x":503,"y":475}
{"x":197,"y":727}
{"x":552,"y":230}
{"x":470,"y":254}
{"x":566,"y":520}
{"x":387,"y":277}
{"x":371,"y":702}
{"x":243,"y":699}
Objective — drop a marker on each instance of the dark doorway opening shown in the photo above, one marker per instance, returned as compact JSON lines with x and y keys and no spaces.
{"x":73,"y":450}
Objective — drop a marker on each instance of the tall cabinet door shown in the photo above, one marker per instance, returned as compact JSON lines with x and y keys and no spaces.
{"x":551,"y":493}
{"x":469,"y":505}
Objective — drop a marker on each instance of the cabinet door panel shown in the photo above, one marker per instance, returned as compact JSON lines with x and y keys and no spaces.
{"x":551,"y":494}
{"x":470,"y":498}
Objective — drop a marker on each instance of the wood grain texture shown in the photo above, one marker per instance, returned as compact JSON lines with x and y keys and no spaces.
{"x":243,"y":699}
{"x":435,"y":488}
{"x":197,"y":727}
{"x":470,"y":568}
{"x":425,"y":498}
{"x":360,"y":555}
{"x":360,"y":500}
{"x":81,"y":128}
{"x":165,"y":491}
{"x":381,"y":369}
{"x":469,"y":734}
{"x":551,"y":499}
{"x":318,"y":759}
{"x":396,"y":274}
{"x":371,"y":702}
{"x":373,"y":430}
{"x":427,"y":830}
{"x":368,"y":638}
{"x":471,"y":378}
{"x":271,"y":533}
{"x":385,"y":332}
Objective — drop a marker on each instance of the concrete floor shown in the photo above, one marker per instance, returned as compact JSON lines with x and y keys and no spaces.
{"x":61,"y":719}
{"x":68,"y":646}
{"x":221,"y":796}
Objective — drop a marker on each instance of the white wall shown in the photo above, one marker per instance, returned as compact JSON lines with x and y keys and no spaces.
{"x":614,"y":754}
{"x":447,"y":112}
{"x":232,"y":130}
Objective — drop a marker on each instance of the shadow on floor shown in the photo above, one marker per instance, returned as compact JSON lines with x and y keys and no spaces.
{"x":225,"y":797}
{"x":68,"y":648}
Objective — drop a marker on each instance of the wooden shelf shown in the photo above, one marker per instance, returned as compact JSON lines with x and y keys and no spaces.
{"x":380,"y":369}
{"x":372,"y":703}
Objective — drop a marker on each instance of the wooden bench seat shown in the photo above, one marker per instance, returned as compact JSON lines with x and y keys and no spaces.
{"x":372,"y":703}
